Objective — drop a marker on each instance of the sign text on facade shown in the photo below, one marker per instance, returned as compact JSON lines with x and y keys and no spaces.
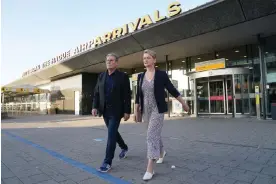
{"x":142,"y":22}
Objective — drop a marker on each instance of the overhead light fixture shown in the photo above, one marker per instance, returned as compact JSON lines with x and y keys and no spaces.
{"x":183,"y":61}
{"x":237,"y":51}
{"x":226,"y":59}
{"x":217,"y":55}
{"x":266,"y":52}
{"x":245,"y":56}
{"x":156,"y":66}
{"x":199,"y":58}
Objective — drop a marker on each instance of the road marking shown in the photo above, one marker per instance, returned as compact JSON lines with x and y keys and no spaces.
{"x":104,"y":176}
{"x":98,"y":139}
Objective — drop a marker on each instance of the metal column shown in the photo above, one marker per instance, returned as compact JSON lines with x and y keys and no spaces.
{"x":3,"y":101}
{"x":263,"y":76}
{"x":195,"y":98}
{"x":233,"y":97}
{"x":168,"y":95}
{"x":188,"y":69}
{"x":3,"y":98}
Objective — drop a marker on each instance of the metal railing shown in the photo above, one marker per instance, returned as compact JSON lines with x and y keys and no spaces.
{"x":22,"y":109}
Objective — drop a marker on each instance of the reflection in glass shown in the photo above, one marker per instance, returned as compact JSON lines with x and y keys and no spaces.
{"x":270,"y":59}
{"x":245,"y":95}
{"x":238,"y":94}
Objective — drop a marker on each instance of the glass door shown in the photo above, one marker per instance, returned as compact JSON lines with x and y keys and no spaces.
{"x":229,"y":94}
{"x":217,"y":96}
{"x":203,"y":96}
{"x":242,"y":93}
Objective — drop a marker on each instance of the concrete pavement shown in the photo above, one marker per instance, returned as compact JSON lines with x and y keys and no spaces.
{"x":204,"y":151}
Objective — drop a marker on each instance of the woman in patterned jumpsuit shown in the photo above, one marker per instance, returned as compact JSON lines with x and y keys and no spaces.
{"x":150,"y":99}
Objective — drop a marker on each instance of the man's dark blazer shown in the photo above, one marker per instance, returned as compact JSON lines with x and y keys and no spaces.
{"x":120,"y":94}
{"x":161,"y":82}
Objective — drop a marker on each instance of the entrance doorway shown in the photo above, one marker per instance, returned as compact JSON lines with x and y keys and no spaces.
{"x":215,"y":95}
{"x":222,"y":91}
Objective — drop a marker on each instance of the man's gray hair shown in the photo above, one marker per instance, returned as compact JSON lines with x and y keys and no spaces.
{"x":114,"y":55}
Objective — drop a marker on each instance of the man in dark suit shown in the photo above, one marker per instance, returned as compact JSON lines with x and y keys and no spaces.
{"x":112,"y":99}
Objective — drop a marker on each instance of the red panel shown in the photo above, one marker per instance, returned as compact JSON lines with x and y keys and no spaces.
{"x":219,"y":98}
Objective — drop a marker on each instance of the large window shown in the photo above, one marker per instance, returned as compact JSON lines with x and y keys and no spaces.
{"x":270,"y":59}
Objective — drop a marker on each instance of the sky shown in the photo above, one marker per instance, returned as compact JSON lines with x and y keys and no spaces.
{"x":34,"y":31}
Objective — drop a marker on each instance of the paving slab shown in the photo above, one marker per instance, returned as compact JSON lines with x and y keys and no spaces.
{"x":203,"y":150}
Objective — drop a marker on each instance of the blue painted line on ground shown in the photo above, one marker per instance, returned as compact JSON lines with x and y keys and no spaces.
{"x":99,"y":139}
{"x":105,"y":176}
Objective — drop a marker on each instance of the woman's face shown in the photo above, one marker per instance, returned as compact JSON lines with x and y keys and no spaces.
{"x":148,"y":60}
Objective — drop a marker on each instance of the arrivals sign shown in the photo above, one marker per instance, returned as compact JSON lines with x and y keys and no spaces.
{"x":210,"y":65}
{"x":142,"y":22}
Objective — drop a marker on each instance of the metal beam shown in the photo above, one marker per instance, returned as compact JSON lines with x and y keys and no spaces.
{"x":168,"y":94}
{"x":263,"y":76}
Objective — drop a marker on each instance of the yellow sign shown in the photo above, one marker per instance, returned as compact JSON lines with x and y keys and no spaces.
{"x":36,"y":90}
{"x":5,"y":89}
{"x":140,"y":23}
{"x":257,"y":95}
{"x":257,"y":99}
{"x":210,"y":65}
{"x":19,"y":89}
{"x":134,"y":77}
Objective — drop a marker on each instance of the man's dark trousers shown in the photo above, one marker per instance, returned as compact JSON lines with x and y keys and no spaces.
{"x":114,"y":136}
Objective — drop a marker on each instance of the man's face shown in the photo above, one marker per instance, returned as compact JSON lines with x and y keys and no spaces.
{"x":111,"y":62}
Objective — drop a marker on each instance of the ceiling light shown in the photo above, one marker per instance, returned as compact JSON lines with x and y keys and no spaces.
{"x":156,"y":66}
{"x":226,"y":59}
{"x":217,"y":55}
{"x":183,"y":61}
{"x":245,"y":56}
{"x":266,"y":52}
{"x":237,"y":51}
{"x":199,"y":58}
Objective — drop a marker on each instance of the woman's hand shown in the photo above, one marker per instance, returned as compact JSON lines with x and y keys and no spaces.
{"x":185,"y":107}
{"x":135,"y":112}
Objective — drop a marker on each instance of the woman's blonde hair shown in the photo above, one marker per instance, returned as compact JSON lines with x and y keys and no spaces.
{"x":150,"y":52}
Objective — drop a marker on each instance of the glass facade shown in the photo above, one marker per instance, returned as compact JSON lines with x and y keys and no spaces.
{"x":231,"y":93}
{"x":270,"y":59}
{"x":224,"y":93}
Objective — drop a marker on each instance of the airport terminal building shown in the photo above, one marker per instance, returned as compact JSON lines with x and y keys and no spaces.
{"x":221,"y":56}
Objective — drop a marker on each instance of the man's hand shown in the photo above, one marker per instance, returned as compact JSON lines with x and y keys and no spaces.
{"x":94,"y":112}
{"x":126,"y":116}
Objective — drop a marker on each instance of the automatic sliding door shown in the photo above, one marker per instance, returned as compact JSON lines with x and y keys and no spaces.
{"x":217,"y":97}
{"x":203,"y":97}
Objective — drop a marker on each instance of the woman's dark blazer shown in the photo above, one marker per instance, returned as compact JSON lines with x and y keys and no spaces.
{"x":161,"y":82}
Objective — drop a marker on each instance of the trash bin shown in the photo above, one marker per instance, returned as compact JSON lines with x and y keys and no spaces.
{"x":273,"y":111}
